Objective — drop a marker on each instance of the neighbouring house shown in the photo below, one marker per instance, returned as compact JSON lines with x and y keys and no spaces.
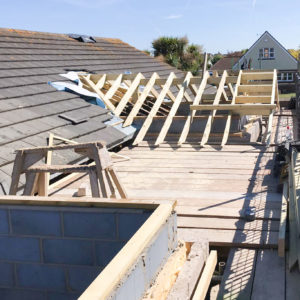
{"x":267,"y":54}
{"x":227,"y":62}
{"x":31,"y":108}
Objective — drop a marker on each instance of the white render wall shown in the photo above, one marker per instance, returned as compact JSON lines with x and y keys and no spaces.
{"x":283,"y":60}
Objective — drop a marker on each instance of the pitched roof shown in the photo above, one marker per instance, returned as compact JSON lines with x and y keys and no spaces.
{"x":30,"y":106}
{"x":226,"y":63}
{"x":271,"y":36}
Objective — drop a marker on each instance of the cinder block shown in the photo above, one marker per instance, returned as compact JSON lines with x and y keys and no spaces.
{"x":17,"y":294}
{"x":105,"y":251}
{"x":129,"y":223}
{"x":90,"y":225}
{"x":81,"y":277}
{"x":62,"y":296}
{"x":33,"y":222}
{"x":38,"y":276}
{"x":6,"y":274}
{"x":4,"y":228}
{"x":19,"y":249}
{"x":63,"y":251}
{"x":157,"y":252}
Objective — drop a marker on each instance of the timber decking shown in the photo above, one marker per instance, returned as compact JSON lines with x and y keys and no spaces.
{"x":254,"y":275}
{"x":213,"y":187}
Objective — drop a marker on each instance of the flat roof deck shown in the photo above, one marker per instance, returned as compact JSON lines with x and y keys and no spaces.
{"x":213,"y":187}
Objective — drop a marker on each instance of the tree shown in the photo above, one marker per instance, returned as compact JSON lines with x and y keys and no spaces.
{"x":216,"y":57}
{"x":295,"y":52}
{"x":178,"y":53}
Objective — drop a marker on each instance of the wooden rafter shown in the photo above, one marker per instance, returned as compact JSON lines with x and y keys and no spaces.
{"x":141,"y":100}
{"x":133,"y":87}
{"x":244,"y":93}
{"x":228,"y":121}
{"x":189,"y":120}
{"x":154,"y":110}
{"x":173,"y":110}
{"x":213,"y":112}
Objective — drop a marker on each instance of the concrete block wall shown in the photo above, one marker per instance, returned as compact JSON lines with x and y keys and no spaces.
{"x":56,"y":252}
{"x":147,"y":266}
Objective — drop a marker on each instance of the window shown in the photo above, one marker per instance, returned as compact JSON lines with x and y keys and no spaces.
{"x":266,"y":53}
{"x":290,"y":76}
{"x":284,"y":76}
{"x":278,"y":76}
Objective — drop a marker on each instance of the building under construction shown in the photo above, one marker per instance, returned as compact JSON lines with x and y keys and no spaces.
{"x":148,"y":184}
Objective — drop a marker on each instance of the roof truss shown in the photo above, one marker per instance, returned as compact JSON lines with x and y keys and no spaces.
{"x":242,"y":93}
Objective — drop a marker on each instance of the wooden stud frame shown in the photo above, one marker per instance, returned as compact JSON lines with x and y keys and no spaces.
{"x":248,"y":92}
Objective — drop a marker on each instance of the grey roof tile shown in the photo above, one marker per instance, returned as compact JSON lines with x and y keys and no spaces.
{"x":30,"y":108}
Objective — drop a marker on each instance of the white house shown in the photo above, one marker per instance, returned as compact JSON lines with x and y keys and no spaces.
{"x":266,"y":54}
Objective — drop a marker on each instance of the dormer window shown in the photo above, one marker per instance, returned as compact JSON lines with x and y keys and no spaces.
{"x":266,"y":53}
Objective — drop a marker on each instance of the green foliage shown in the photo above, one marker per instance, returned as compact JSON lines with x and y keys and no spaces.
{"x":179,"y":53}
{"x":169,"y":46}
{"x":216,"y":57}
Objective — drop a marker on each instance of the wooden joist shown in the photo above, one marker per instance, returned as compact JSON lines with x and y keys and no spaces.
{"x":205,"y":279}
{"x":264,"y":88}
{"x":262,"y":75}
{"x":246,"y":109}
{"x":253,"y":99}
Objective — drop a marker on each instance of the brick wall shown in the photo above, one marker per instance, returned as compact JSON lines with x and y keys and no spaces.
{"x":55,"y":253}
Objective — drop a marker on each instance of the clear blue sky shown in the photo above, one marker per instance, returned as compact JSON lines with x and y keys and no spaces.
{"x":218,"y":25}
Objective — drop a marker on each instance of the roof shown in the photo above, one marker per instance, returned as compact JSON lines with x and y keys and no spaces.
{"x":30,"y":106}
{"x":226,"y":63}
{"x":261,"y":37}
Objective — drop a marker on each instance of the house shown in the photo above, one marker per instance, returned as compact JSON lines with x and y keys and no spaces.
{"x":267,"y":54}
{"x":227,"y":62}
{"x":31,"y":108}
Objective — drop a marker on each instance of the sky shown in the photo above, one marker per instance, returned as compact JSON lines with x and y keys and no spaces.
{"x":218,"y":25}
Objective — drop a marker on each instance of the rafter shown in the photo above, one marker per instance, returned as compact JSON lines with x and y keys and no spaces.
{"x":228,"y":121}
{"x":173,"y":110}
{"x":192,"y":113}
{"x":213,"y":112}
{"x":154,"y":109}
